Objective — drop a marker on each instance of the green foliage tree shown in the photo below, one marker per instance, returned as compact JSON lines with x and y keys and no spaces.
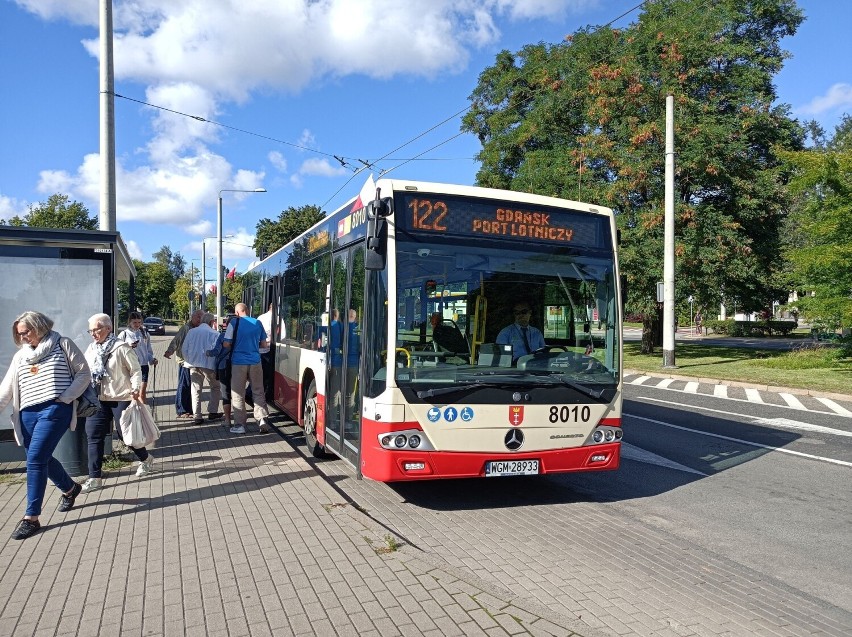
{"x":272,"y":235}
{"x":585,"y":119}
{"x":154,"y":287}
{"x":56,"y":212}
{"x":819,"y":229}
{"x":174,"y":261}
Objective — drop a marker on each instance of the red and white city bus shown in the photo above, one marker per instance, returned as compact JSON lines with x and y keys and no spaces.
{"x":389,"y":311}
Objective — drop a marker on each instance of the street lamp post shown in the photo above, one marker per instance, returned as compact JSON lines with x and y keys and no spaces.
{"x":219,"y":278}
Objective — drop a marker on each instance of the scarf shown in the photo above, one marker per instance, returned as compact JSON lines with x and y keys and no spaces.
{"x":102,"y":351}
{"x":44,"y":347}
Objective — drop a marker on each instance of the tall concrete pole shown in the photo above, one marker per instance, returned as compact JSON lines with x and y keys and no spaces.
{"x":107,"y":212}
{"x":669,"y":243}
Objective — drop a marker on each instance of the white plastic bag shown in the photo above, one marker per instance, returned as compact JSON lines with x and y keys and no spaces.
{"x":138,"y":428}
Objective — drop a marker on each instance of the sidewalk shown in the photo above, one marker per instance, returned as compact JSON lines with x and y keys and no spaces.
{"x":233,"y":535}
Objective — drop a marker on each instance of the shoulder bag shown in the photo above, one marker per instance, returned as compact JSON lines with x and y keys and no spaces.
{"x":87,"y":402}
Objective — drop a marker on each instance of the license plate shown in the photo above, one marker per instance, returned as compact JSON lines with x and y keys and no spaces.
{"x":511,"y":468}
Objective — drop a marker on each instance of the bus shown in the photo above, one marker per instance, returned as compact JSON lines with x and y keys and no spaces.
{"x":389,"y":311}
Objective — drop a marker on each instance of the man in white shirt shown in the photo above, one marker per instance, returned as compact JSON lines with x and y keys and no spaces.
{"x":266,"y":362}
{"x":195,"y":346}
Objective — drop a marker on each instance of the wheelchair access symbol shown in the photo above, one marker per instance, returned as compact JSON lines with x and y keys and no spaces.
{"x":467,"y":414}
{"x":433,"y":414}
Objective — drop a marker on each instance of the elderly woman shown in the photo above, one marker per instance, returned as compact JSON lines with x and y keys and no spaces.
{"x":115,"y":369}
{"x":46,"y":375}
{"x":136,"y":336}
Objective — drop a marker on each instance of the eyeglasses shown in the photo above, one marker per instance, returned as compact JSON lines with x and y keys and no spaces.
{"x":95,"y":329}
{"x":522,"y":312}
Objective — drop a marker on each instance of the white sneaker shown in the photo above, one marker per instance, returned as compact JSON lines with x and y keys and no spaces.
{"x":239,"y":429}
{"x":92,"y":484}
{"x":145,"y":467}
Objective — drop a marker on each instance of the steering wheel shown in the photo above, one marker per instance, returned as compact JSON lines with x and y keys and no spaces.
{"x":550,"y":348}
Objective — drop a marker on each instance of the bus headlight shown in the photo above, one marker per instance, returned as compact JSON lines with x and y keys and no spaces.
{"x":609,"y":436}
{"x":407,"y":439}
{"x":414,"y":441}
{"x":399,"y":441}
{"x":597,"y":436}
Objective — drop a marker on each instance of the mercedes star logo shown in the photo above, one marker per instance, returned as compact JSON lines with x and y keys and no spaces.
{"x":514,"y":439}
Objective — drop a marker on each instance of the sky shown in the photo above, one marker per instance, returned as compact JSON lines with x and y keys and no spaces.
{"x":290,"y":85}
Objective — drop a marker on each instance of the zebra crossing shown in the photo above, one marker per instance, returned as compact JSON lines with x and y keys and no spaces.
{"x":787,"y":399}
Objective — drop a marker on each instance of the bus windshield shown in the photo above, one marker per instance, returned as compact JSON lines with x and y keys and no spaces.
{"x":503,"y":312}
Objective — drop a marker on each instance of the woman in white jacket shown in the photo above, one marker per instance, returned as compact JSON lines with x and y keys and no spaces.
{"x":45,"y":377}
{"x":136,"y":336}
{"x":115,"y":369}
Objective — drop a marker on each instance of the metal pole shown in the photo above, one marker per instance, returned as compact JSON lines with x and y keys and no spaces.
{"x":219,"y":262}
{"x":669,"y":242}
{"x":204,"y":274}
{"x":107,"y":132}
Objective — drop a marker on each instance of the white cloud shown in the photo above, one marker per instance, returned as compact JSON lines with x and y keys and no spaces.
{"x":134,"y":250}
{"x":839,"y":97}
{"x":278,"y":161}
{"x":11,"y":207}
{"x":196,"y":56}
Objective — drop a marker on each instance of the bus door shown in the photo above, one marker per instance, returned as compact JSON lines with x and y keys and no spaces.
{"x":343,"y":359}
{"x":272,"y":297}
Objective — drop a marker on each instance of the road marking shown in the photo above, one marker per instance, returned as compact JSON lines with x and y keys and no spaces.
{"x":833,"y":406}
{"x":722,"y":393}
{"x":753,"y":395}
{"x":631,"y":452}
{"x":743,"y":442}
{"x":640,"y":380}
{"x":774,"y":422}
{"x":691,"y":388}
{"x":791,"y":400}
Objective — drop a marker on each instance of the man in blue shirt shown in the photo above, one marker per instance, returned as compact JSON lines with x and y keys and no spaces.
{"x":245,"y":366}
{"x":524,"y":338}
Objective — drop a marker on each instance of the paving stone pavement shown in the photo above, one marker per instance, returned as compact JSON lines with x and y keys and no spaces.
{"x":231,"y":536}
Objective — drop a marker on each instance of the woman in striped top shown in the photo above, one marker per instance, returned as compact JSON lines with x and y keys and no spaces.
{"x":47,"y":374}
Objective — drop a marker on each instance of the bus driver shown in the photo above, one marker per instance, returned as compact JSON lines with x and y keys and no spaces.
{"x":524,"y":338}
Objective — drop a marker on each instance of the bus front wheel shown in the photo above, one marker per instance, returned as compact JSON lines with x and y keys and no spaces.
{"x":309,"y":421}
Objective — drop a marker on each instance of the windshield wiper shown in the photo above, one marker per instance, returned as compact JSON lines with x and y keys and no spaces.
{"x":583,"y":389}
{"x":440,"y":391}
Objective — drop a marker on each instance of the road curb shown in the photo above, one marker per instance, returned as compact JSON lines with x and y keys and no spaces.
{"x":736,"y":383}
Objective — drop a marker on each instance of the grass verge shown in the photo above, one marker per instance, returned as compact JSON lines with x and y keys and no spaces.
{"x":814,"y":368}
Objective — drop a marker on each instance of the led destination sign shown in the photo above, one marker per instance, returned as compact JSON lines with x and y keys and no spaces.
{"x":486,"y":218}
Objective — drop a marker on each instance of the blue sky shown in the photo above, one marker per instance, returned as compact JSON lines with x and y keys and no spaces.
{"x":352,"y":78}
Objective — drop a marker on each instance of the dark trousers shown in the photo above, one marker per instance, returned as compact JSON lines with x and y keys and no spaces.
{"x":183,"y":395}
{"x":268,"y":375}
{"x":99,"y":427}
{"x":42,"y":427}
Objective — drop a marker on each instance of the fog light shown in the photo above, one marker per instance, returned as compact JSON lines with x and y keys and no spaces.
{"x":414,"y":441}
{"x":399,"y":441}
{"x":597,"y":436}
{"x":598,"y":458}
{"x":609,"y":436}
{"x":414,"y":466}
{"x":386,"y":440}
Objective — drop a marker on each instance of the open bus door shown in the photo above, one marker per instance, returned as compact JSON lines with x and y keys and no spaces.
{"x":343,"y":355}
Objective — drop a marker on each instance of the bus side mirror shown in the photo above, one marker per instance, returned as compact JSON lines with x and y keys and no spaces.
{"x":377,"y":233}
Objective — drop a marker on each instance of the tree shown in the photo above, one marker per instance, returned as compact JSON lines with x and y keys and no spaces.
{"x":585,"y":119}
{"x":819,"y":230}
{"x":172,"y":260}
{"x":154,"y":287}
{"x":56,"y":212}
{"x":272,"y":235}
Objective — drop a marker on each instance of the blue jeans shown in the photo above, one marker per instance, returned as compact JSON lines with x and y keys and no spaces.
{"x":99,"y":426}
{"x":42,"y":427}
{"x":183,"y":395}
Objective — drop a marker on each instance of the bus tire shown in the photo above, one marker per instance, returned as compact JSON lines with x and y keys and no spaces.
{"x":309,"y":422}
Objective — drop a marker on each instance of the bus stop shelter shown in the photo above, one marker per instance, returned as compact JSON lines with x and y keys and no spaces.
{"x":69,"y":275}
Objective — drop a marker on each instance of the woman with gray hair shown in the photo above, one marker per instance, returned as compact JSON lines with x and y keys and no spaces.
{"x":117,"y":374}
{"x":47,"y":374}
